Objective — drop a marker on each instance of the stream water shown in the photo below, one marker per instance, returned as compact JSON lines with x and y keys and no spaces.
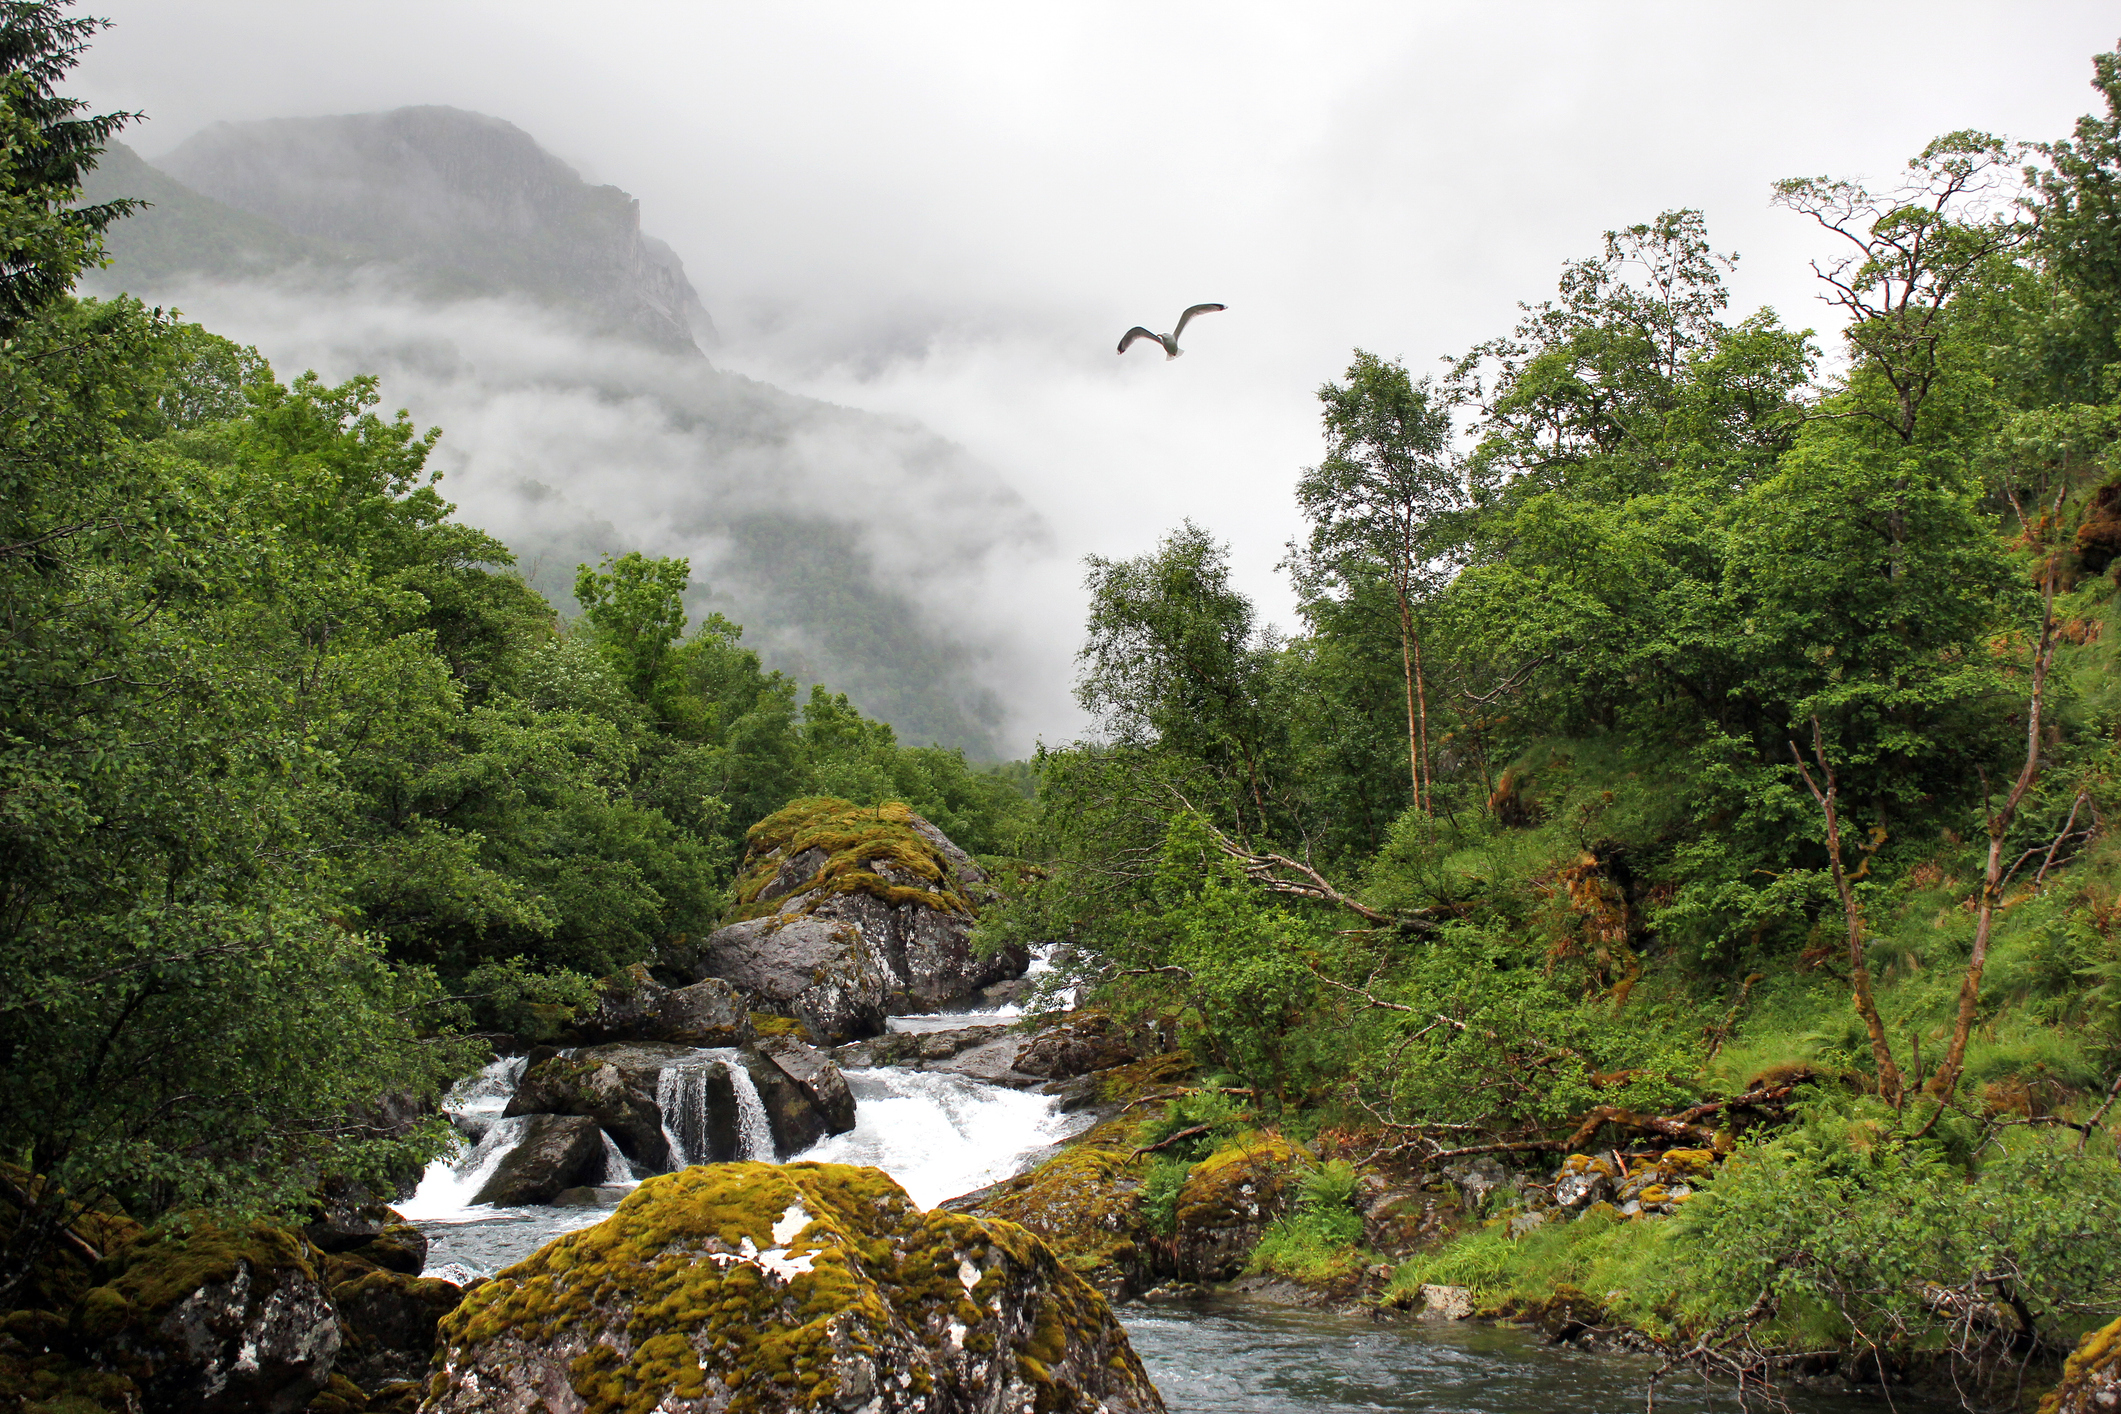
{"x":940,"y":1135}
{"x":1231,"y":1357}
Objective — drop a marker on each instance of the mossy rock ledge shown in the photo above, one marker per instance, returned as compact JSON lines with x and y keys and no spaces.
{"x":846,"y":913}
{"x":755,"y":1287}
{"x":2091,"y":1377}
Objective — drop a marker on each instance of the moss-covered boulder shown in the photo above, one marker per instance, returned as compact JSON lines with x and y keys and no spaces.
{"x":845,"y":914}
{"x":594,"y":1088}
{"x":1085,"y":1203}
{"x":212,"y":1318}
{"x":2091,"y":1377}
{"x":752,"y":1287}
{"x":555,"y":1153}
{"x":1228,"y":1201}
{"x":387,"y":1324}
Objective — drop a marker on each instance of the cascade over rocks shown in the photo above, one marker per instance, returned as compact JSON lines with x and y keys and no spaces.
{"x":846,"y":913}
{"x":597,"y":1090}
{"x":818,"y":1076}
{"x":778,"y":1288}
{"x":794,"y":1112}
{"x":556,"y":1152}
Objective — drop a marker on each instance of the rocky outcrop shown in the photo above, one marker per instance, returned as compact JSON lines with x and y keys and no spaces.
{"x":596,"y":1090}
{"x":1081,"y":1044}
{"x":818,"y":1076}
{"x":845,"y":914}
{"x":2091,"y":1377}
{"x":809,"y":1286}
{"x":387,"y":1322}
{"x":1228,"y":1202}
{"x":794,"y":1112}
{"x":633,"y":1006}
{"x":467,"y":204}
{"x":556,"y":1152}
{"x":986,"y":1053}
{"x":214,"y":1319}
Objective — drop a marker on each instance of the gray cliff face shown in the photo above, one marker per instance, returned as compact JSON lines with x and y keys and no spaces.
{"x":469,"y":201}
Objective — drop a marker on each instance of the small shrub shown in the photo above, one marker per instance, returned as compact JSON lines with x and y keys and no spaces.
{"x":1160,"y":1188}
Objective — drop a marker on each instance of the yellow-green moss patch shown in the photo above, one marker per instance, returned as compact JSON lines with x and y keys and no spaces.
{"x":856,"y":842}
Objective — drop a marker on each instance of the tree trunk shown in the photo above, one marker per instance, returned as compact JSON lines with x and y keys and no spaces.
{"x":1421,"y":696}
{"x":1406,"y":661}
{"x":1999,"y":822}
{"x":1890,"y":1086}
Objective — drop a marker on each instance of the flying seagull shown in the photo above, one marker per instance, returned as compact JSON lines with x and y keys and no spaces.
{"x":1170,"y":340}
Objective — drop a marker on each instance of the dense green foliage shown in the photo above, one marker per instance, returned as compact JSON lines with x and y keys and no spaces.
{"x":1649,"y":657}
{"x":297,"y":777}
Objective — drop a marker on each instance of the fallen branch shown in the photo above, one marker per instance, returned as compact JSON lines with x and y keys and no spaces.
{"x":1189,"y":1133}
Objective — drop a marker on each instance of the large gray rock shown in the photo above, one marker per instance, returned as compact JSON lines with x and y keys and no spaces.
{"x":633,"y":1006}
{"x":986,"y":1053}
{"x":815,"y":1072}
{"x":556,"y":1152}
{"x":215,"y":1320}
{"x":1082,"y":1044}
{"x":844,"y":939}
{"x":793,"y":1112}
{"x":822,"y":967}
{"x":388,"y":1322}
{"x":597,"y":1090}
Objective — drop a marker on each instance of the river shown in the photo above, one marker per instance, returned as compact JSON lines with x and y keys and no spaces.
{"x":941,"y":1135}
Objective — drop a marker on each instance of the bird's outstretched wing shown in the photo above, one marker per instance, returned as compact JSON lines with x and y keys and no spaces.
{"x":1179,"y":332}
{"x":1137,"y":332}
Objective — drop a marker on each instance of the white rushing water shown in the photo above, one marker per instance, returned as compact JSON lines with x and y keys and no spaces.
{"x":941,"y":1135}
{"x":1041,"y":966}
{"x":938,"y":1135}
{"x":681,"y":1094}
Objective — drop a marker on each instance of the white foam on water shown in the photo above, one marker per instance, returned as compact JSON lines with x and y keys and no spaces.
{"x":754,"y":1135}
{"x":448,"y":1186}
{"x":941,"y":1135}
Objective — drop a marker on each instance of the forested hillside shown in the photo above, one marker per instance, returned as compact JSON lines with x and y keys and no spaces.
{"x":299,"y":776}
{"x":494,"y":290}
{"x":1701,"y":732}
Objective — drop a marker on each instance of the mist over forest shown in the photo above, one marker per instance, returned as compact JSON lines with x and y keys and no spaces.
{"x":501,"y":297}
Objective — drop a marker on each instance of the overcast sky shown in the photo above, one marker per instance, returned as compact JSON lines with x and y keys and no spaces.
{"x":952,"y":212}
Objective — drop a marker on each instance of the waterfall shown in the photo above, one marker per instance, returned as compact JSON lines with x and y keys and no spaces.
{"x":683,"y":1094}
{"x":754,"y":1136}
{"x":617,"y":1167}
{"x":476,"y":1101}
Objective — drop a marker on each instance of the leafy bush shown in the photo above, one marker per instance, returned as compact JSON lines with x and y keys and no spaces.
{"x":1321,"y":1239}
{"x":510,"y":996}
{"x":1160,"y":1186}
{"x":1221,"y":1116}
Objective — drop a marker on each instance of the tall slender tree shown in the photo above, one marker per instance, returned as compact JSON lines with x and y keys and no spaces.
{"x":1381,"y":504}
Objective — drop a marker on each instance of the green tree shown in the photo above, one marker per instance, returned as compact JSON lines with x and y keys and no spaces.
{"x":1381,"y":505}
{"x":1174,"y":657}
{"x":45,"y":147}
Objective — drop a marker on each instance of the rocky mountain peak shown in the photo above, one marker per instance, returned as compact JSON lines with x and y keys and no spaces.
{"x":469,"y":202}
